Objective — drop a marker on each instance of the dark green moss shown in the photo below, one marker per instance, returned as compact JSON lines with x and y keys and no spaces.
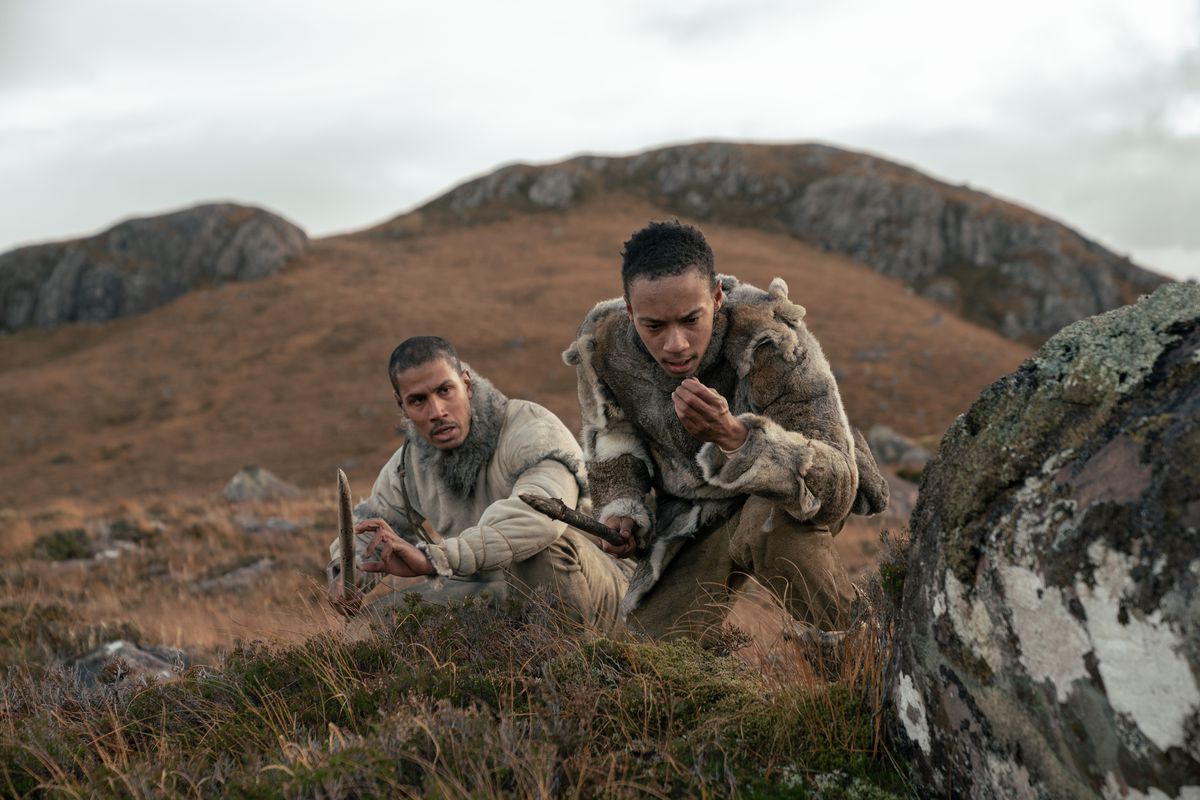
{"x":129,"y":531}
{"x":435,"y":700}
{"x":63,"y":544}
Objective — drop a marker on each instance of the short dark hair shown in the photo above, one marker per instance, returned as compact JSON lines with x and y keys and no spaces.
{"x":664,"y":249}
{"x":418,"y":350}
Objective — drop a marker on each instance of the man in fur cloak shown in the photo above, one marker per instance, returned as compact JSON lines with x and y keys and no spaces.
{"x":716,"y":441}
{"x":470,"y":453}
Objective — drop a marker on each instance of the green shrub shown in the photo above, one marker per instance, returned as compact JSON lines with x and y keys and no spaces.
{"x":129,"y":531}
{"x":447,"y":702}
{"x":63,"y":544}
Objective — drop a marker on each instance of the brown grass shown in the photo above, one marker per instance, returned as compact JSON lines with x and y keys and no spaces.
{"x":289,"y":372}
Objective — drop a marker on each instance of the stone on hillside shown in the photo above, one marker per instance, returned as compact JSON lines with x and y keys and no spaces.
{"x":890,"y":447}
{"x":121,"y":660}
{"x":251,"y":523}
{"x":141,"y":264}
{"x":236,"y":577}
{"x":256,"y":483}
{"x":1049,"y":642}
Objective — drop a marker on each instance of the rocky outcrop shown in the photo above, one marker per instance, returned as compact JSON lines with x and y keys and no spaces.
{"x":253,"y":483}
{"x":1049,"y":643}
{"x":120,"y":660}
{"x":992,"y":262}
{"x":141,"y":264}
{"x":896,"y":450}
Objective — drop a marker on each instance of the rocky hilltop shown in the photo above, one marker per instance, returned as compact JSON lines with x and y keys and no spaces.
{"x":990,"y":261}
{"x":141,"y":264}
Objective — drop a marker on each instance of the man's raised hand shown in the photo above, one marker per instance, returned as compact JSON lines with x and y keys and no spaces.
{"x":397,"y":557}
{"x":705,"y":414}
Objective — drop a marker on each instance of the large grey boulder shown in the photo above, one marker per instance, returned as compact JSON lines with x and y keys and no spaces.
{"x":1049,"y":642}
{"x":141,"y":264}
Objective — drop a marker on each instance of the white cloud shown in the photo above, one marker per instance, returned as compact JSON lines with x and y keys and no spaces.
{"x":338,"y":116}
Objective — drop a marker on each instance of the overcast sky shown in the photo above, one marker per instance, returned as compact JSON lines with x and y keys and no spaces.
{"x":340,"y":114}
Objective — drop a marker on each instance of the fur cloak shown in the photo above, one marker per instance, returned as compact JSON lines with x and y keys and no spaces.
{"x":801,"y":452}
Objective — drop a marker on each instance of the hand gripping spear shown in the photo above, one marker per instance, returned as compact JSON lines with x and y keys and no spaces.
{"x":346,"y":534}
{"x":555,"y":508}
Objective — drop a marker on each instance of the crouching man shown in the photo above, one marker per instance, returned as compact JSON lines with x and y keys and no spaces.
{"x":470,"y":452}
{"x":716,"y":441}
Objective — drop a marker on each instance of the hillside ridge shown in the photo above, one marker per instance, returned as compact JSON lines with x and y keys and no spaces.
{"x":992,"y":262}
{"x":141,"y":264}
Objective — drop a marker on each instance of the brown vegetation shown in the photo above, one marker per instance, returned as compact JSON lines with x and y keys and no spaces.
{"x":429,"y":702}
{"x":118,"y":438}
{"x":289,"y":372}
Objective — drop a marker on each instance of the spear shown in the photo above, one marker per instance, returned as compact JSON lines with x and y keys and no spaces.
{"x":346,"y":534}
{"x":555,"y":508}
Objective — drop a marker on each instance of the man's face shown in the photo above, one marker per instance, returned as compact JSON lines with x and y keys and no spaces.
{"x":674,"y":318}
{"x":437,"y":399}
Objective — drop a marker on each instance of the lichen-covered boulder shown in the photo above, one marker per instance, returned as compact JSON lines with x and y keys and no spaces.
{"x":1049,"y":642}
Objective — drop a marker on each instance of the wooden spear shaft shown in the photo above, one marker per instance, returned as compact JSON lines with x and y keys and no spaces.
{"x":346,"y":534}
{"x":555,"y":508}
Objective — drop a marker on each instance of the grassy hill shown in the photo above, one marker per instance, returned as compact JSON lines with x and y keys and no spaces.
{"x":290,"y":371}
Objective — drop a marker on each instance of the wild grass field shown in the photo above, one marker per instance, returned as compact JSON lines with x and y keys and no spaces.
{"x":277,"y":697}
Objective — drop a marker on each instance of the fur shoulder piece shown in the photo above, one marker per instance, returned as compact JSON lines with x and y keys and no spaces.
{"x":757,"y":318}
{"x":586,"y":337}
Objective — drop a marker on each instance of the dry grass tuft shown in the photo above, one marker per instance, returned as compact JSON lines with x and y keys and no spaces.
{"x":283,"y":700}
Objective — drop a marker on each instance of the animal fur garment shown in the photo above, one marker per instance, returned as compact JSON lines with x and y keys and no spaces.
{"x":643,"y":463}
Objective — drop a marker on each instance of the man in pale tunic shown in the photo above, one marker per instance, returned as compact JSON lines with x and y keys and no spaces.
{"x":445,"y":519}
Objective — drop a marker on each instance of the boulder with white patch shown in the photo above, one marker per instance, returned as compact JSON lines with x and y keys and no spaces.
{"x":1049,"y":643}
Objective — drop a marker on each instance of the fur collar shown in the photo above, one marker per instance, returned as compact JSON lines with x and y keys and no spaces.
{"x":459,"y":468}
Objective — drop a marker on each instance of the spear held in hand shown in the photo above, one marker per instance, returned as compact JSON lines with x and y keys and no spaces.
{"x":556,"y":509}
{"x":346,"y":533}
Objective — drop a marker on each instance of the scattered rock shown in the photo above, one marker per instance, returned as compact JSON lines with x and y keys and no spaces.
{"x":242,"y":576}
{"x":890,"y":447}
{"x":122,"y":660}
{"x":256,"y":483}
{"x":1049,"y":641}
{"x":252,"y":524}
{"x":142,"y":264}
{"x":113,"y":549}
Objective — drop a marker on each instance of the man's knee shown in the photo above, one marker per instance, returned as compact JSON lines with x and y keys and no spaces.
{"x":797,"y":561}
{"x":588,"y":584}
